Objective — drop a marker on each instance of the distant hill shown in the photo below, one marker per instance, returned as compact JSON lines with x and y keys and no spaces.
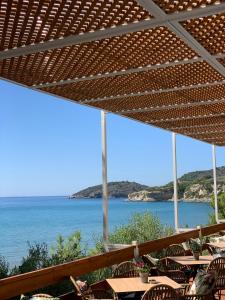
{"x":117,"y":189}
{"x":192,"y":186}
{"x":206,"y":175}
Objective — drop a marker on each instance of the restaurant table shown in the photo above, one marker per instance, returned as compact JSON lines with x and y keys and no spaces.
{"x":134,"y":284}
{"x":191,"y":261}
{"x":220,"y":245}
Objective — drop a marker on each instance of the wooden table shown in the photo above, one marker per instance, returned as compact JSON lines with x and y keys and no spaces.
{"x":191,"y":261}
{"x":220,"y":245}
{"x":134,"y":284}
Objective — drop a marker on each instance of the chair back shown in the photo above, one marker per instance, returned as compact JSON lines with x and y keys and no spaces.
{"x":125,"y":269}
{"x":150,"y":261}
{"x":175,"y":250}
{"x":83,"y":294}
{"x":218,"y":265}
{"x":211,"y":250}
{"x":160,"y":292}
{"x":77,"y":288}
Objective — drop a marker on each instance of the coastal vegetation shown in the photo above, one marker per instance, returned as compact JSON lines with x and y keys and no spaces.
{"x":221,"y":207}
{"x":192,"y":186}
{"x":4,"y":267}
{"x":140,"y":227}
{"x":117,"y":189}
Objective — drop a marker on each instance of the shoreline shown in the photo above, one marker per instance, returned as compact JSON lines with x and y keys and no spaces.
{"x":171,"y":200}
{"x":136,"y":200}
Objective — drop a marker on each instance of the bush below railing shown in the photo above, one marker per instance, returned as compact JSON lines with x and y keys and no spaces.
{"x":16,"y":285}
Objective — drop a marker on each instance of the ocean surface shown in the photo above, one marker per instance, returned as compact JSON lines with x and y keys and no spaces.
{"x":41,"y":219}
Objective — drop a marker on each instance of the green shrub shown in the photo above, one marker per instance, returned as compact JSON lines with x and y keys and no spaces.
{"x":4,"y":267}
{"x":221,"y":207}
{"x":67,"y":249}
{"x":37,"y":258}
{"x":141,"y":227}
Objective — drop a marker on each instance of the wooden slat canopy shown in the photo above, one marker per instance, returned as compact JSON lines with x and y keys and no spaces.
{"x":160,"y":62}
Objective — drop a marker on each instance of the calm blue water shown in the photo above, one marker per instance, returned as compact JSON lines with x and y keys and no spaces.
{"x":41,"y":219}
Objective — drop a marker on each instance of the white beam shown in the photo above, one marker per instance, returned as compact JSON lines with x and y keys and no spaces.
{"x":77,"y":39}
{"x":112,"y":31}
{"x":120,"y":73}
{"x":212,"y":138}
{"x":183,"y":34}
{"x":104,"y":180}
{"x":197,"y":126}
{"x":215,"y":183}
{"x":201,"y":136}
{"x":153,"y":92}
{"x":184,"y":118}
{"x":124,"y":72}
{"x":196,"y":46}
{"x":205,"y":132}
{"x":174,"y":106}
{"x":175,"y":194}
{"x":220,"y":143}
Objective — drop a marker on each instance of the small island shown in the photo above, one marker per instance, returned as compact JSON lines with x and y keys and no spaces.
{"x":192,"y":187}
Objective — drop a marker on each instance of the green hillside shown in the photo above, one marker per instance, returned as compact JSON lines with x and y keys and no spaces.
{"x":192,"y":186}
{"x":117,"y":189}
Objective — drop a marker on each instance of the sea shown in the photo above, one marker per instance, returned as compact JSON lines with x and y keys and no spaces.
{"x":42,"y":219}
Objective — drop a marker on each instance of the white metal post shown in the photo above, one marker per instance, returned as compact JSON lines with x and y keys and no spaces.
{"x":215,"y":183}
{"x":175,"y":195}
{"x":104,"y":180}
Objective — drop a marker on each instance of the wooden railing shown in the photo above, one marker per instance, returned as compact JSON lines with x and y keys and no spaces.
{"x":16,"y":285}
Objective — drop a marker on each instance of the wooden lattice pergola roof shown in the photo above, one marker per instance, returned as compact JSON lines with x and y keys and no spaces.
{"x":160,"y":62}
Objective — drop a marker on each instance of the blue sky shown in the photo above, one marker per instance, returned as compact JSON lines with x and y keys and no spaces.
{"x":50,"y":146}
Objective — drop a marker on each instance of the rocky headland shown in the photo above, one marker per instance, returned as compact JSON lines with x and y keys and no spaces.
{"x":192,"y":187}
{"x":117,"y":189}
{"x":149,"y":196}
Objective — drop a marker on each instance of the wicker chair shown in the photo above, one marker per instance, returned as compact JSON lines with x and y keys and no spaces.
{"x":172,"y":270}
{"x":160,"y":292}
{"x":89,"y":293}
{"x":175,"y":250}
{"x":177,"y":275}
{"x":218,"y":265}
{"x":125,"y":269}
{"x":184,"y":291}
{"x":211,"y":250}
{"x":183,"y":273}
{"x":152,"y":263}
{"x":147,"y":260}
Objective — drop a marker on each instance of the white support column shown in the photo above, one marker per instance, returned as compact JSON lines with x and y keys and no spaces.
{"x":215,"y":183}
{"x":175,"y":195}
{"x":104,"y":180}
